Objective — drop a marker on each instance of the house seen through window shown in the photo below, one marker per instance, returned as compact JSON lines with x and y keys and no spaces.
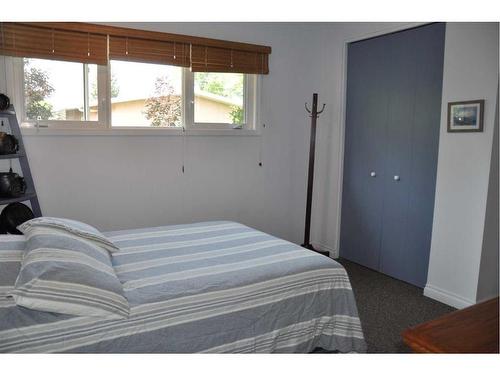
{"x":145,"y":94}
{"x":219,"y":98}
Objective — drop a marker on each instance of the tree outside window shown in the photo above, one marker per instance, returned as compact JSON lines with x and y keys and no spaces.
{"x":227,"y":85}
{"x":164,"y":107}
{"x":37,"y":89}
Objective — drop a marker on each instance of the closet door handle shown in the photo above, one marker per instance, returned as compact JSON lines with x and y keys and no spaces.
{"x":373,"y":174}
{"x":397,"y":178}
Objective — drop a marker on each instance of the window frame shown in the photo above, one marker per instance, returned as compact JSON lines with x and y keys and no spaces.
{"x":138,"y":128}
{"x":249,"y":104}
{"x":18,"y":82}
{"x":252,"y":86}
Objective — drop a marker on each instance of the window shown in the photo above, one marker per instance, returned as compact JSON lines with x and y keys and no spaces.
{"x":86,"y":76}
{"x":126,"y":95}
{"x":59,"y":91}
{"x":145,"y":95}
{"x":221,"y":101}
{"x":219,"y":98}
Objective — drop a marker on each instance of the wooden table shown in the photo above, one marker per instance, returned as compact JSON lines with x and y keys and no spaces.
{"x":471,"y":330}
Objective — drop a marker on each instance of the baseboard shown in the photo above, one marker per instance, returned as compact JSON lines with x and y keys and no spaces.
{"x":333,"y":252}
{"x":446,"y":297}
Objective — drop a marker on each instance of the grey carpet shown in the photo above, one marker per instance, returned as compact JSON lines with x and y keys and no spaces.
{"x":388,"y":306}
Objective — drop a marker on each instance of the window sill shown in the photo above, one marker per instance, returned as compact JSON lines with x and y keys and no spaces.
{"x":154,"y":132}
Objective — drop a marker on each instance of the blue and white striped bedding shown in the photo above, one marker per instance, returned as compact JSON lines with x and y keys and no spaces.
{"x":205,"y":287}
{"x":11,"y":254}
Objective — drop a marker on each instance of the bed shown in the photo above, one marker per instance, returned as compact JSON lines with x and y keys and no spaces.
{"x":211,"y":287}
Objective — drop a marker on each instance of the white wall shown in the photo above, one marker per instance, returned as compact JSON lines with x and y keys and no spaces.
{"x":117,"y":182}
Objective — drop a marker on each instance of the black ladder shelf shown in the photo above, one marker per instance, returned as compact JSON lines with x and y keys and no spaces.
{"x":30,"y":194}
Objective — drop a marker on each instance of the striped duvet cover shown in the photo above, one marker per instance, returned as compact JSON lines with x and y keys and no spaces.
{"x":207,"y":287}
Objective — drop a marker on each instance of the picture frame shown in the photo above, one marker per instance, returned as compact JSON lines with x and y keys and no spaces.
{"x":465,"y":116}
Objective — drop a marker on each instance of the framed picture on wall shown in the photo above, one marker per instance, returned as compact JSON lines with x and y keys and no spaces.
{"x":465,"y":116}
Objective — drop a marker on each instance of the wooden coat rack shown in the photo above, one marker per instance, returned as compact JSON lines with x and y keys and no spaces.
{"x":313,"y":113}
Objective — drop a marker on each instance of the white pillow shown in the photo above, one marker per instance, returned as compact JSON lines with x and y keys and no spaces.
{"x":69,"y":227}
{"x":68,"y":275}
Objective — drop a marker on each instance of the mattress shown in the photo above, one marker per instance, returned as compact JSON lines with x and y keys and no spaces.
{"x":212,"y":287}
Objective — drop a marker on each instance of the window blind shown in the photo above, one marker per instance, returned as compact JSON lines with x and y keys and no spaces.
{"x":213,"y":59}
{"x":149,"y":51}
{"x":51,"y":43}
{"x":88,"y":43}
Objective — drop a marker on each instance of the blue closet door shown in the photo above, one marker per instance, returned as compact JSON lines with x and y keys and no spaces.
{"x":367,"y":104}
{"x":398,"y":138}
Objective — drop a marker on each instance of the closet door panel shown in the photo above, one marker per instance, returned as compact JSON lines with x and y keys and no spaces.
{"x":366,"y":114}
{"x":409,"y":202}
{"x":396,"y":183}
{"x":425,"y":145}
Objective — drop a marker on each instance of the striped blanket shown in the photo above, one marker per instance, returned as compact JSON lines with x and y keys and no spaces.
{"x":207,"y":287}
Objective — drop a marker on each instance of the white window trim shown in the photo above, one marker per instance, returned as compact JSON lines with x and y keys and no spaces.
{"x":15,"y":77}
{"x":15,"y":81}
{"x":249,"y":97}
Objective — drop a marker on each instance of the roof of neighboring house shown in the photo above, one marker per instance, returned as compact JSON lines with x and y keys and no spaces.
{"x":197,"y":93}
{"x":217,"y":98}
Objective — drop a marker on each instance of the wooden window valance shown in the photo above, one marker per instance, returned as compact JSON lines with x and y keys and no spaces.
{"x":149,"y":51}
{"x":91,"y":43}
{"x":213,"y":59}
{"x":50,"y":43}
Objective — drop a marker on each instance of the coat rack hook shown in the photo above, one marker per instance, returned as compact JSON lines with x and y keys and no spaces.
{"x":307,"y":109}
{"x":322,"y":109}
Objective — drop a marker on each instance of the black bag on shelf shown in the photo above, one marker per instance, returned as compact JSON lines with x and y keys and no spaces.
{"x":11,"y":185}
{"x":4,"y":102}
{"x":8,"y":144}
{"x":14,"y":215}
